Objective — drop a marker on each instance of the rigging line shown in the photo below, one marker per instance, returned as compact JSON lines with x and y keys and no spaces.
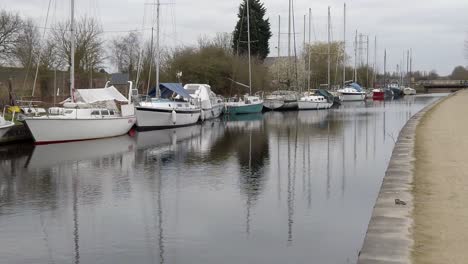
{"x":40,"y":50}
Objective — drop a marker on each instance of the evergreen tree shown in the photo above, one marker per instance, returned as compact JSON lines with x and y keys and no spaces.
{"x":260,"y":32}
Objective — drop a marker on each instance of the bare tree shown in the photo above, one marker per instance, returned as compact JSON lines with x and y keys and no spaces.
{"x":125,"y":52}
{"x":27,"y":46}
{"x":10,"y":29}
{"x":89,"y":49}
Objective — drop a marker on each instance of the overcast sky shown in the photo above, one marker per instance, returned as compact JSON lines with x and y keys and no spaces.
{"x":434,"y":29}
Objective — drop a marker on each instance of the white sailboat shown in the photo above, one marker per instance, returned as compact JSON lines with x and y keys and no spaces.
{"x":171,"y":105}
{"x":88,"y":114}
{"x":249,"y":103}
{"x":212,"y":105}
{"x":311,"y":101}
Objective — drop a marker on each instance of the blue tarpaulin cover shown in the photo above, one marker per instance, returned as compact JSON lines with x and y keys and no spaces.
{"x":356,"y":86}
{"x":167,"y":89}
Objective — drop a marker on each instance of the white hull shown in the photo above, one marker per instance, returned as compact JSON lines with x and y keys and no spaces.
{"x":53,"y":130}
{"x":307,"y":105}
{"x":410,"y":91}
{"x":213,"y":112}
{"x":4,"y":128}
{"x":153,"y":118}
{"x":273,"y":104}
{"x":353,"y":97}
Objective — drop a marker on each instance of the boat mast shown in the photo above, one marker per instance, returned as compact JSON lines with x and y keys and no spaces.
{"x":367,"y":61}
{"x":308,"y":51}
{"x":289,"y":45}
{"x":248,"y":46}
{"x":304,"y":47}
{"x":385,"y":68}
{"x":157,"y":48}
{"x":411,"y":66}
{"x":407,"y":68}
{"x":72,"y":51}
{"x":355,"y":57}
{"x":279,"y":54}
{"x":328,"y":57}
{"x":375,"y":61}
{"x":344,"y":44}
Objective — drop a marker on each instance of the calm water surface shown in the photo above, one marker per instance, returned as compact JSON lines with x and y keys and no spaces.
{"x":295,"y":187}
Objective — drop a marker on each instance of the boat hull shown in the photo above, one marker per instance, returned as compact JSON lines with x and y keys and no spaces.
{"x":212,"y":113}
{"x":244,"y":109}
{"x":308,"y":105}
{"x":353,"y":97}
{"x":273,"y":104}
{"x":50,"y":130}
{"x":378,"y":95}
{"x":5,"y":128}
{"x":151,"y":118}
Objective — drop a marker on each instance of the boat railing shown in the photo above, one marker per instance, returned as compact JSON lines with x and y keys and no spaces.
{"x":12,"y":115}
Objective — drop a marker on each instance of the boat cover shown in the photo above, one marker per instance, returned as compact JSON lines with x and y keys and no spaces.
{"x":91,"y":96}
{"x":356,"y":86}
{"x":167,"y":89}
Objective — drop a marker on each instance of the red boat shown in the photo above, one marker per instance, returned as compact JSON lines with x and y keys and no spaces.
{"x":378,"y":94}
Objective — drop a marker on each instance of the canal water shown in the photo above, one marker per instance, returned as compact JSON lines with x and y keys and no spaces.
{"x":293,"y":187}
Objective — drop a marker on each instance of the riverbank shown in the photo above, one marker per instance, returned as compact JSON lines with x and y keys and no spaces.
{"x":441,"y":183}
{"x":389,"y":238}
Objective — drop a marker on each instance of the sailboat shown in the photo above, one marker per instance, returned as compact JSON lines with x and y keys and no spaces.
{"x":87,"y":114}
{"x":280,"y":99}
{"x":312,"y":101}
{"x":249,"y":103}
{"x":168,"y":104}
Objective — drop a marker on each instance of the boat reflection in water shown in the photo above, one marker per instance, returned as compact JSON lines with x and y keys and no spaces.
{"x":45,"y":156}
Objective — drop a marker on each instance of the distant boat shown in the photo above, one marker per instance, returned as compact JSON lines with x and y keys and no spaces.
{"x":396,"y":89}
{"x":352,"y":92}
{"x":313,"y":102}
{"x":378,"y":94}
{"x":212,"y":105}
{"x":174,"y":107}
{"x":409,"y":91}
{"x":4,"y":124}
{"x":281,"y":100}
{"x":248,"y":104}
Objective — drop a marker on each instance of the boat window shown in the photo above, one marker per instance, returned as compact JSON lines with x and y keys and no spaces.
{"x":68,"y":111}
{"x":104,"y":112}
{"x":179,"y":105}
{"x":95,"y":112}
{"x":111,"y":112}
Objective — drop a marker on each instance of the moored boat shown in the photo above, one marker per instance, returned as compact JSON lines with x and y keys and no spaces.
{"x":248,"y":104}
{"x":409,"y":91}
{"x":212,"y":105}
{"x":174,"y":107}
{"x":88,"y":114}
{"x":281,"y":100}
{"x":352,"y":92}
{"x":313,"y":102}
